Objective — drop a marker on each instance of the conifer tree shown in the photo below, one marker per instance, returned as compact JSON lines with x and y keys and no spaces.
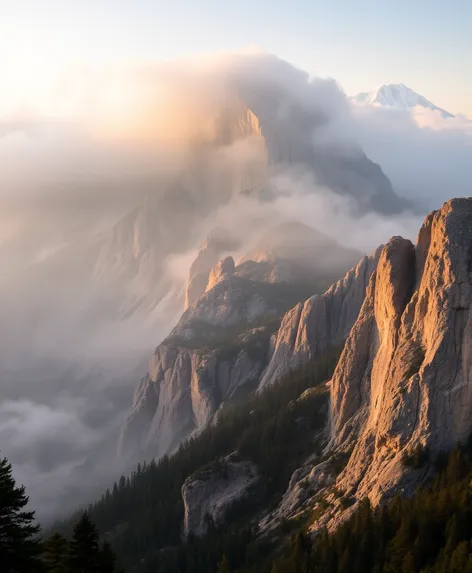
{"x":19,"y":542}
{"x":84,"y":554}
{"x":107,"y":559}
{"x":55,"y":554}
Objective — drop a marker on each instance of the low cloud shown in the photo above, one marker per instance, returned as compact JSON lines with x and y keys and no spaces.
{"x":427,"y":157}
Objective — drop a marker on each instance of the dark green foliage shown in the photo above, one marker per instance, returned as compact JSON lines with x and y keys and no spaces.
{"x":84,"y":548}
{"x":21,"y":549}
{"x":223,"y":566}
{"x":56,"y":554}
{"x":143,"y":517}
{"x":82,"y":554}
{"x":431,"y":532}
{"x":19,"y":542}
{"x":107,"y":559}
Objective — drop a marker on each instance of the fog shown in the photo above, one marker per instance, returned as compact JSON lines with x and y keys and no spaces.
{"x":427,"y":157}
{"x":102,"y":213}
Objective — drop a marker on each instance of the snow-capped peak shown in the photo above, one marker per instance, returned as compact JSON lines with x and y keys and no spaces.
{"x":398,"y":96}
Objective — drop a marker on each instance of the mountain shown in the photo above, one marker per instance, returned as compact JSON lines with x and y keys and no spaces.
{"x":94,"y":282}
{"x":398,"y":96}
{"x":400,"y":394}
{"x":320,"y":323}
{"x":219,"y":349}
{"x":368,"y":427}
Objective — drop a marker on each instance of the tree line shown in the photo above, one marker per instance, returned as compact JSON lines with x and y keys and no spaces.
{"x":23,"y":550}
{"x":143,"y":513}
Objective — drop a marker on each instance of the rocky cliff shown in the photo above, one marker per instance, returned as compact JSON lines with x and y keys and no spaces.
{"x":289,"y":252}
{"x":404,"y":380}
{"x":222,"y":343}
{"x":321,"y":322}
{"x":401,"y":392}
{"x":211,"y":492}
{"x":219,"y":348}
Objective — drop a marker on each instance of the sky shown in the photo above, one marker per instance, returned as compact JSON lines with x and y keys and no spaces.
{"x":425,"y":44}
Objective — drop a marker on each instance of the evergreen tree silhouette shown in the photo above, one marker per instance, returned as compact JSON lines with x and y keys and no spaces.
{"x":55,"y":554}
{"x":20,"y":546}
{"x":84,"y":554}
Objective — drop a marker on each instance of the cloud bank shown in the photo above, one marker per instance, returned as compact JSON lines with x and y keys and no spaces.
{"x":427,"y":157}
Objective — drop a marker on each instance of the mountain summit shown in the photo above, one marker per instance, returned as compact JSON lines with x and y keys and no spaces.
{"x":398,"y":96}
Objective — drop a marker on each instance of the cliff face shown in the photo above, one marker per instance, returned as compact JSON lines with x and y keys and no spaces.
{"x":404,"y":379}
{"x":321,"y":322}
{"x":224,"y":340}
{"x":402,"y":389}
{"x":220,"y":346}
{"x":208,"y":494}
{"x":185,"y":388}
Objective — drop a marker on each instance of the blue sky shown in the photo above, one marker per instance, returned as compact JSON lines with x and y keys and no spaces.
{"x":426,"y":44}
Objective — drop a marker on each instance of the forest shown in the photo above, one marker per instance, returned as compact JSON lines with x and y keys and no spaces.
{"x":142,"y":514}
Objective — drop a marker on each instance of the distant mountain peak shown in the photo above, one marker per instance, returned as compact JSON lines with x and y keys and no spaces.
{"x":398,"y":96}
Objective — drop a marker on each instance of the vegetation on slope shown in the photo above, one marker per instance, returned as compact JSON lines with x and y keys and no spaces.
{"x":431,"y":532}
{"x":142,"y":516}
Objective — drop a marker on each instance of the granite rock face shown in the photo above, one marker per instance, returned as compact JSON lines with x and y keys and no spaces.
{"x":319,"y":323}
{"x":404,"y":380}
{"x":223,"y":270}
{"x":403,"y":384}
{"x":217,"y":243}
{"x":185,"y":388}
{"x":209,"y":493}
{"x":220,"y":346}
{"x":289,"y":252}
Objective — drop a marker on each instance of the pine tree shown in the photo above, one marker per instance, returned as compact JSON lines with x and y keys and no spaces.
{"x":19,"y":543}
{"x":107,"y":559}
{"x":85,"y":555}
{"x":55,"y":554}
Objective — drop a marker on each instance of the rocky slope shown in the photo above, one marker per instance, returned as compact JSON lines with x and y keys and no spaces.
{"x":401,"y":392}
{"x":219,"y":349}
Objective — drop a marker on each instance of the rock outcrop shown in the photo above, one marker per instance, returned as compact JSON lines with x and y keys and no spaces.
{"x":220,"y":346}
{"x":404,"y":380}
{"x":222,"y":343}
{"x":321,"y":322}
{"x":402,"y":389}
{"x":286,"y":253}
{"x":185,"y":388}
{"x":217,"y":243}
{"x":223,"y":270}
{"x":211,"y":492}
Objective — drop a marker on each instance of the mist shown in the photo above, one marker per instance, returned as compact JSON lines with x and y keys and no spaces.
{"x":103,"y":211}
{"x":427,"y":157}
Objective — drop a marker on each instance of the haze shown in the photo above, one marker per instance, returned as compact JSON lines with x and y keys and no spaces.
{"x":112,"y":174}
